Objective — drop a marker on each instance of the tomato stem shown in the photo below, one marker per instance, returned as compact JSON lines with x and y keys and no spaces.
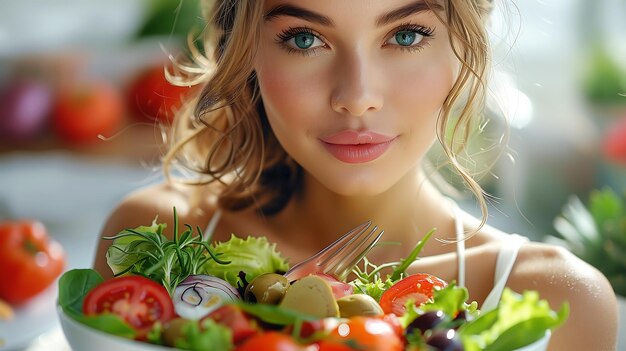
{"x":31,"y":247}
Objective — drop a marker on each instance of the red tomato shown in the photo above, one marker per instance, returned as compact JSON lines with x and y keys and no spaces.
{"x":240,"y":324}
{"x":614,"y":142}
{"x":326,"y":345}
{"x":394,"y":322}
{"x":417,"y":287}
{"x":139,"y":301}
{"x":309,"y":328}
{"x":363,"y":333}
{"x":83,"y":111}
{"x":152,"y":97}
{"x":270,"y":341}
{"x":29,"y":260}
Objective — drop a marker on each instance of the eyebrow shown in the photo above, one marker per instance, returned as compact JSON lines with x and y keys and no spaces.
{"x":406,"y":11}
{"x":299,"y":12}
{"x":311,"y":16}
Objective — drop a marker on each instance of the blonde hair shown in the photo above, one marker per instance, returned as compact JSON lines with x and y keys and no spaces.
{"x":224,"y":134}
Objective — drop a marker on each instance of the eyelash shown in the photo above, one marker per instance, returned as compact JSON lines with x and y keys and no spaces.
{"x":291,"y":32}
{"x":428,"y":33}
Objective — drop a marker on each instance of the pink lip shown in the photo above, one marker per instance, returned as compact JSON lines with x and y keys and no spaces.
{"x":352,"y":137}
{"x":357,"y":147}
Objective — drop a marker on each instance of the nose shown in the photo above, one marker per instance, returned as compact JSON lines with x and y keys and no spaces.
{"x":356,"y":91}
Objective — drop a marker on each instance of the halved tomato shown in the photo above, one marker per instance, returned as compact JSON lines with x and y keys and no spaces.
{"x":417,"y":287}
{"x":139,"y":301}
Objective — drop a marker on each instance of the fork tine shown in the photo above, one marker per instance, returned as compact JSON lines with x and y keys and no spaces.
{"x":344,"y":265}
{"x":340,"y":256}
{"x":349,"y":248}
{"x":346,"y":241}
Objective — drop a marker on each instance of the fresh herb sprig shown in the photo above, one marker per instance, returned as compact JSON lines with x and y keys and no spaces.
{"x":369,"y":279}
{"x":148,"y":252}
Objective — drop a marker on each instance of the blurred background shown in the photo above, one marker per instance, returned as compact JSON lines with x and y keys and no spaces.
{"x":83,"y":101}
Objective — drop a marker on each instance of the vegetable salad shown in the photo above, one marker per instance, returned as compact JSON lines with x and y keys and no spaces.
{"x":194,"y":295}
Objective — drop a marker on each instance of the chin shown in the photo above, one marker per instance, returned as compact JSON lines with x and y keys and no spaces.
{"x":367,"y":182}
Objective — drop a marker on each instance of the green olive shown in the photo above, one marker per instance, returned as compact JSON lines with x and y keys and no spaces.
{"x":267,"y":288}
{"x":358,"y":305}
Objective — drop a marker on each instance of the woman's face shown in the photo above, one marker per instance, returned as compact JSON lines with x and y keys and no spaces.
{"x":352,"y":88}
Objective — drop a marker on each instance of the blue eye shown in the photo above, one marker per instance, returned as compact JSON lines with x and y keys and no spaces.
{"x":304,"y":40}
{"x":410,"y":36}
{"x":300,"y":39}
{"x":406,"y":38}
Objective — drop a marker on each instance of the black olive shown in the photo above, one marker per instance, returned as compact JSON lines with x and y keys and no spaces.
{"x":429,"y":320}
{"x":445,"y":340}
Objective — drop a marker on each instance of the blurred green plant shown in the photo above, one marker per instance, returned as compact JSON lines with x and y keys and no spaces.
{"x":604,"y":80}
{"x":597,"y":233}
{"x":174,"y":18}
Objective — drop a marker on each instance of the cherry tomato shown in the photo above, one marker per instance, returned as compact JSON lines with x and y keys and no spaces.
{"x":139,"y":301}
{"x":326,"y":345}
{"x":417,"y":287}
{"x":85,"y":110}
{"x":29,"y":260}
{"x":240,"y":324}
{"x":393,"y":320}
{"x":151,"y":97}
{"x":363,"y":333}
{"x":270,"y":341}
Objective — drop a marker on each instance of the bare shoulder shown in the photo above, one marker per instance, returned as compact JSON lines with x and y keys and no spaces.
{"x":192,"y":203}
{"x":142,"y":206}
{"x":560,"y":277}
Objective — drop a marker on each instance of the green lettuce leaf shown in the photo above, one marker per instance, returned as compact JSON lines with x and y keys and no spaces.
{"x":73,"y":286}
{"x":254,"y":256}
{"x":204,"y":335}
{"x":518,"y":321}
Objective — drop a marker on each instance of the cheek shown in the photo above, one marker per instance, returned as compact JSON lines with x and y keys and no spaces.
{"x":292,"y":92}
{"x":421,"y":88}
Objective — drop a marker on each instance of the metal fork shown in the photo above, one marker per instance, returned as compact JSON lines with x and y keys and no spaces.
{"x":338,"y":258}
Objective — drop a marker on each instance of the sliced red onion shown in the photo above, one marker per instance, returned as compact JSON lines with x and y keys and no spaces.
{"x":198,"y":295}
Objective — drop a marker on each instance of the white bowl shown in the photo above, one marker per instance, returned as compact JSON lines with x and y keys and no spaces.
{"x":83,"y":338}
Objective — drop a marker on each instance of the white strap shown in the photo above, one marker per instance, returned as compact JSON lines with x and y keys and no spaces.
{"x":460,"y":244}
{"x":504,"y":265}
{"x":208,"y":233}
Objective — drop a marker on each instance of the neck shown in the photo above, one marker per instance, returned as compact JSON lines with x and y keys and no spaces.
{"x":406,"y":211}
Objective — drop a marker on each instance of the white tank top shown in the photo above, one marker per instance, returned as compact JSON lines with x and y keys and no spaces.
{"x":504,"y":263}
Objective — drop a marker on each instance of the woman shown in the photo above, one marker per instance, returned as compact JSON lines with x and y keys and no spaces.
{"x":318,"y":114}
